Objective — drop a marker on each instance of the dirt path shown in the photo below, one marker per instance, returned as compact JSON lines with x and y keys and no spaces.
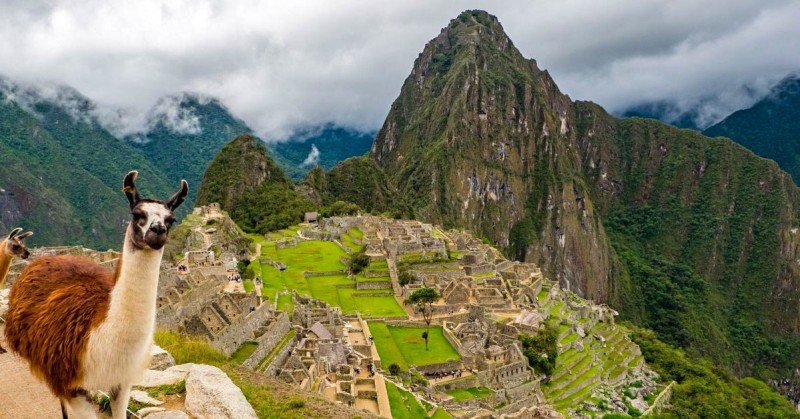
{"x":21,"y":395}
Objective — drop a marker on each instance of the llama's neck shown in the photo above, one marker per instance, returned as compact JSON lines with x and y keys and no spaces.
{"x":5,"y":263}
{"x":133,"y":300}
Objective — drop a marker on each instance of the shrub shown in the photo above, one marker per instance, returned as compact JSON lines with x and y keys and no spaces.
{"x":394,"y":369}
{"x":358,"y":261}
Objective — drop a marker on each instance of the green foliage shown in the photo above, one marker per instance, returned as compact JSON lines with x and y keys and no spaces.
{"x":394,"y":369}
{"x":360,"y":181}
{"x":405,"y":278}
{"x":542,"y":349}
{"x":340,"y":208}
{"x":333,"y":143}
{"x":770,"y":127}
{"x":358,"y":261}
{"x":242,"y":266}
{"x":702,"y":390}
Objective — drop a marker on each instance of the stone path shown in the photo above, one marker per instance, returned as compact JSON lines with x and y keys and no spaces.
{"x":21,"y":395}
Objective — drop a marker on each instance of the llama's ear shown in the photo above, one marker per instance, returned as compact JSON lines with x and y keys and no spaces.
{"x":14,"y":232}
{"x":129,"y":187}
{"x":25,"y":235}
{"x":177,"y":198}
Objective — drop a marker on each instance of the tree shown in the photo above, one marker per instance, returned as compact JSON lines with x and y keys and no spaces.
{"x":424,"y":298}
{"x":542,"y":349}
{"x":358,"y":261}
{"x":394,"y":369}
{"x":405,"y":278}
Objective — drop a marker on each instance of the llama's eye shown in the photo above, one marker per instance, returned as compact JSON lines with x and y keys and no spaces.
{"x":169,"y":220}
{"x":15,"y":246}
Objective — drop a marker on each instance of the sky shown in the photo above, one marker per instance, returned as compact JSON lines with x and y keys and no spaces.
{"x":284,"y":66}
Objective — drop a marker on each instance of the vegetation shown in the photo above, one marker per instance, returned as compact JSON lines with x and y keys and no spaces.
{"x":252,"y":188}
{"x":470,"y":393}
{"x":404,"y":345}
{"x":333,"y":143}
{"x":403,"y":404}
{"x":542,"y":349}
{"x":703,"y":390}
{"x":358,"y":261}
{"x":424,"y":298}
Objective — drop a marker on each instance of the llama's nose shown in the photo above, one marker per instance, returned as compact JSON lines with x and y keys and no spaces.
{"x":158,"y":228}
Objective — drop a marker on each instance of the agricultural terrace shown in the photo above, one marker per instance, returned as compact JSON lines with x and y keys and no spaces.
{"x":336,"y":289}
{"x":404,"y":346}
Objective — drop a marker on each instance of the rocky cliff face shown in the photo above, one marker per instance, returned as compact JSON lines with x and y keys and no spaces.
{"x":691,"y":236}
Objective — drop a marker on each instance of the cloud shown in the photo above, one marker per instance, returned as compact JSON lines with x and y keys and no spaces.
{"x":313,"y":157}
{"x":281,"y":66}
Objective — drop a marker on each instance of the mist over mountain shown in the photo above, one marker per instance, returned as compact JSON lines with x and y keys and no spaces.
{"x":771,"y":127}
{"x":323,"y":146}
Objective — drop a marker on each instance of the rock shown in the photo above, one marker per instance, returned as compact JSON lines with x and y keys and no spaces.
{"x":170,"y":376}
{"x":148,"y":410}
{"x":211,"y":394}
{"x":170,"y":414}
{"x":144,"y":398}
{"x":160,"y":359}
{"x":640,"y":404}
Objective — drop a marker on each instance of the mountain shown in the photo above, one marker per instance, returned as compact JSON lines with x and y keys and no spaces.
{"x":248,"y":184}
{"x":665,"y":111}
{"x":358,"y":180}
{"x":61,"y":171}
{"x":693,"y":237}
{"x":325,"y":146}
{"x":771,"y":128}
{"x":183,"y":134}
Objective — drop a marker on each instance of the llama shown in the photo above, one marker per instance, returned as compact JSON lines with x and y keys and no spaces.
{"x":11,"y":246}
{"x":82,"y":327}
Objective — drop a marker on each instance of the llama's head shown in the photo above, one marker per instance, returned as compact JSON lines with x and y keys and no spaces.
{"x":152,"y":218}
{"x":14,"y":244}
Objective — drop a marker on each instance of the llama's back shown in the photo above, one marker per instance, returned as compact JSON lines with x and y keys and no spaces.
{"x":54,"y":305}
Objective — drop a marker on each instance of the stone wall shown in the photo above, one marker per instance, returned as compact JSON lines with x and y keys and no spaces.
{"x":241,"y":329}
{"x":374,"y":285}
{"x":267,"y":341}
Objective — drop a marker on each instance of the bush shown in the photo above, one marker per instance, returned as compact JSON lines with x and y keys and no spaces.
{"x":394,"y":369}
{"x":542,"y":349}
{"x":358,"y":261}
{"x":405,"y":278}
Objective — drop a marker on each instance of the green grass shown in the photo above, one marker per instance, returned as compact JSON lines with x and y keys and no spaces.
{"x":244,"y":352}
{"x":440,"y":413}
{"x":321,"y":256}
{"x":348,"y":242}
{"x":404,"y":346}
{"x":355,"y":233}
{"x":187,"y":350}
{"x":403,"y":404}
{"x":462,"y":394}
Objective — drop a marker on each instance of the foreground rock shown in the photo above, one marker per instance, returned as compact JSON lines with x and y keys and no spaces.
{"x":211,"y":394}
{"x":160,"y":359}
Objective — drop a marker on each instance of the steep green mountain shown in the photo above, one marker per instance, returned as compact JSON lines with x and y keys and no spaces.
{"x":771,"y":128}
{"x":248,"y":184}
{"x":60,"y":171}
{"x":184,"y":134}
{"x":325,"y":146}
{"x":358,"y":180}
{"x":693,"y":237}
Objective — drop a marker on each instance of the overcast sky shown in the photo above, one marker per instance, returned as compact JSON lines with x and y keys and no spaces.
{"x":285,"y":65}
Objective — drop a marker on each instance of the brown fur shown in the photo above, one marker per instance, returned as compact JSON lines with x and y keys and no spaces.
{"x":60,"y":298}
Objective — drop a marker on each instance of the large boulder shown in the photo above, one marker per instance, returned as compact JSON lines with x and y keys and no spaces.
{"x":160,"y":359}
{"x":211,"y":394}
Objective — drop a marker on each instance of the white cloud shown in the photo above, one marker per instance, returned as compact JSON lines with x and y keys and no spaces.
{"x":313,"y":157}
{"x":284,"y":65}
